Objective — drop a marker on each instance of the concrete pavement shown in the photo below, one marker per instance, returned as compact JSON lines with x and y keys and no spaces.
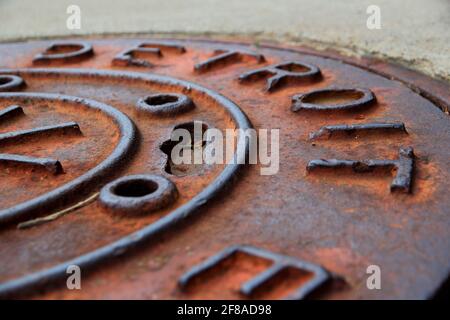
{"x":415,"y":33}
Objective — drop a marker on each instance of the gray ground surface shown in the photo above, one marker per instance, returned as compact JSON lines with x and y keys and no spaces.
{"x":414,"y":32}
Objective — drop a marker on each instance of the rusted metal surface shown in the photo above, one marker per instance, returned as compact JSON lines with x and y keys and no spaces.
{"x":328,"y":132}
{"x":98,"y":115}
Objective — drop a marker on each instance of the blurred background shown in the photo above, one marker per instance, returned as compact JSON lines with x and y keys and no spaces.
{"x":415,"y":33}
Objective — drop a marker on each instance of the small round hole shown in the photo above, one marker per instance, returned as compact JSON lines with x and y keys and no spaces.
{"x":136,"y":189}
{"x":160,"y":99}
{"x":5,"y":80}
{"x":334,"y":97}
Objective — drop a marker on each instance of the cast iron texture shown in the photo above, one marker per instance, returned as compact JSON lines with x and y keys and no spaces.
{"x":337,"y":219}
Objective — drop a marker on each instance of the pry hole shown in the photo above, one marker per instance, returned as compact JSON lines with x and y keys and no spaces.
{"x":161,"y":99}
{"x":5,"y":80}
{"x":135,"y":189}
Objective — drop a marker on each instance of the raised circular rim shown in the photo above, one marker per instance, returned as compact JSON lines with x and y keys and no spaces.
{"x":84,"y":51}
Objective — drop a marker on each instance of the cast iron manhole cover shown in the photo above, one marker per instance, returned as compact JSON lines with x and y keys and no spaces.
{"x":87,"y":174}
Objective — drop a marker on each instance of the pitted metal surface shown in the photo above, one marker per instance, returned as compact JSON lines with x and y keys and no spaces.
{"x":349,"y":129}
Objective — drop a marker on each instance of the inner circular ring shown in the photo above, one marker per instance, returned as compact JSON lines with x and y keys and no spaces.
{"x":137,"y":194}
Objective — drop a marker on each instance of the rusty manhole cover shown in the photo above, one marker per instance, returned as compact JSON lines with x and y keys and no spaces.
{"x":87,"y":175}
